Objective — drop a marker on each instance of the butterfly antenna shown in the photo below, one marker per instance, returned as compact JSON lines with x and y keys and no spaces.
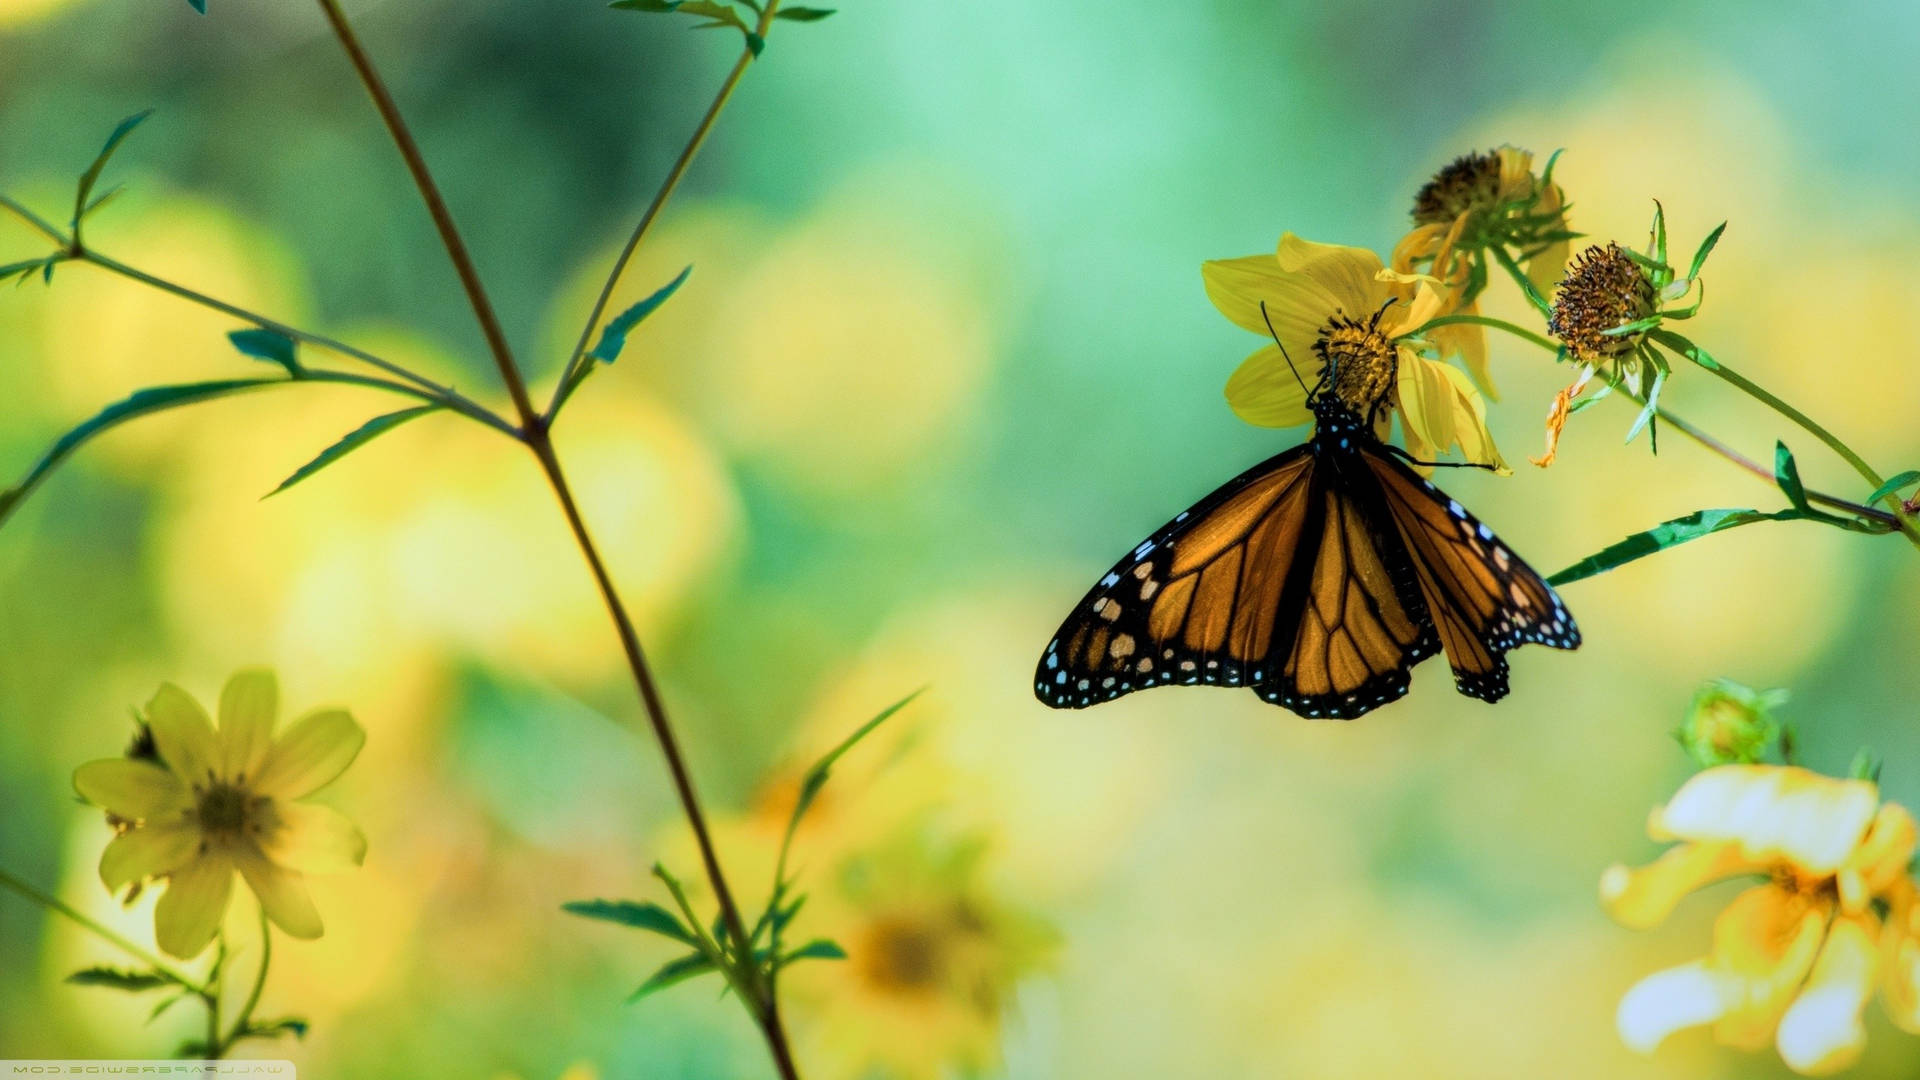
{"x":1268,"y":319}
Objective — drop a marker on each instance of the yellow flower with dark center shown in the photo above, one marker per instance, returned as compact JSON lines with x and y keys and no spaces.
{"x":1477,"y":202}
{"x":209,"y":802}
{"x":1325,"y":306}
{"x":1796,"y":958}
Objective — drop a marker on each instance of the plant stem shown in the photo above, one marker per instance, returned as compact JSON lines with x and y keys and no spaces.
{"x":53,"y":903}
{"x":437,"y":208}
{"x":216,"y":1049}
{"x":245,"y":1019}
{"x":33,"y":219}
{"x":1484,"y":320}
{"x":667,"y":188}
{"x":533,"y":432}
{"x":1754,"y":390}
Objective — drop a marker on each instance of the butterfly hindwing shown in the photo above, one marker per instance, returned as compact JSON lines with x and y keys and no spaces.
{"x":1197,"y":602}
{"x":1357,"y":620}
{"x":1483,"y":599}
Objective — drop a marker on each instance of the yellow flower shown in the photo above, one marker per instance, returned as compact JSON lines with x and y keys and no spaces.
{"x":1794,"y":960}
{"x":1477,"y":202}
{"x":1328,"y":304}
{"x":205,"y":803}
{"x":933,"y":958}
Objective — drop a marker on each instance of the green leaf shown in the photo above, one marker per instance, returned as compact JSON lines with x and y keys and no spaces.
{"x":804,"y":14}
{"x":165,"y":1005}
{"x":141,"y":403}
{"x":131,"y":981}
{"x":263,"y":344}
{"x":1893,"y":486}
{"x":1706,"y":248}
{"x":817,"y":949}
{"x":92,"y":175}
{"x":198,"y":5}
{"x":1786,"y":473}
{"x":755,"y":42}
{"x":674,"y":971}
{"x":1663,"y":536}
{"x":613,"y":337}
{"x":26,"y":268}
{"x":816,"y":777}
{"x":656,"y":6}
{"x":643,"y":915}
{"x":274,"y":1029}
{"x":1652,"y":406}
{"x":354,"y":440}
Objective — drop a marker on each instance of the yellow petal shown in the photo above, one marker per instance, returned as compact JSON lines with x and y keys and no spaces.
{"x":311,"y":753}
{"x":248,"y":705}
{"x":314,"y":839}
{"x":1296,"y":306}
{"x":1642,"y":898}
{"x":1883,"y":857}
{"x":1439,"y":409}
{"x":1900,"y":954}
{"x":183,"y":734}
{"x":283,"y":895}
{"x":1821,"y":1032}
{"x":1418,"y":244}
{"x":1349,"y":275}
{"x":1774,"y":811}
{"x":1667,"y":1001}
{"x":148,"y":851}
{"x":190,"y":911}
{"x":135,"y":790}
{"x":1516,"y":172}
{"x":1766,"y":941}
{"x":1266,"y":392}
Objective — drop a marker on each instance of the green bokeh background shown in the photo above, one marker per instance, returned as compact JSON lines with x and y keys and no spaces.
{"x":1022,"y":193}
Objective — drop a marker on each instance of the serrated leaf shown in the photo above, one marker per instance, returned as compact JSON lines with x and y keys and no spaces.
{"x":264,"y":344}
{"x":613,"y":337}
{"x":804,"y":14}
{"x":141,"y":403}
{"x":92,"y":175}
{"x":118,"y":979}
{"x":674,"y":971}
{"x":354,"y":440}
{"x":817,"y":949}
{"x":1663,"y":536}
{"x":1905,"y":479}
{"x":640,"y":914}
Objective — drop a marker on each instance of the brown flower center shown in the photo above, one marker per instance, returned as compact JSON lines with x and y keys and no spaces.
{"x":1469,"y":183}
{"x":903,"y":955}
{"x":226,"y":812}
{"x":1361,"y":361}
{"x":1605,"y":290}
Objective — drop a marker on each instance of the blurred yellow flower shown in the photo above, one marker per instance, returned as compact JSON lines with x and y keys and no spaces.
{"x":579,"y":1070}
{"x":1794,"y":960}
{"x":217,"y":801}
{"x":933,"y":957}
{"x":1474,"y":203}
{"x":1328,"y":304}
{"x":22,"y":13}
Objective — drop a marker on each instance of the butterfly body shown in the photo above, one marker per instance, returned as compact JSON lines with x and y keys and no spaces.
{"x":1318,"y":578}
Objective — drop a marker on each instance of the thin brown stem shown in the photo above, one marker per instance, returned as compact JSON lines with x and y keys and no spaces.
{"x":768,"y":1014}
{"x":1710,"y":442}
{"x":667,"y":188}
{"x":436,"y":207}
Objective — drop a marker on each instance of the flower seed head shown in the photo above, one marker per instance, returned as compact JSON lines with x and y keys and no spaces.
{"x":1604,"y":290}
{"x":1469,"y":183}
{"x":1361,"y":360}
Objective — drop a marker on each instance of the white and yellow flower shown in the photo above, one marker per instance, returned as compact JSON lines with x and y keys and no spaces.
{"x":1325,"y":303}
{"x":1796,"y":958}
{"x":206,"y":802}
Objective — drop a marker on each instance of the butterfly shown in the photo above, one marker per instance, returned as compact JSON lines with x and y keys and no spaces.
{"x":1318,"y":578}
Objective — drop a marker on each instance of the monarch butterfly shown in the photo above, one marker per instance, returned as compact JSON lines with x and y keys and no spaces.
{"x":1318,"y":578}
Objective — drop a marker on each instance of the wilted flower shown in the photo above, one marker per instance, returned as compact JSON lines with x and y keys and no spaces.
{"x":1608,"y":318}
{"x":205,"y":803}
{"x":1474,"y":205}
{"x":1794,"y":959}
{"x":1325,"y":303}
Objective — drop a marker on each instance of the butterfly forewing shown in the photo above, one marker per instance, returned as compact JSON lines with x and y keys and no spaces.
{"x":1482,"y":598}
{"x":1197,"y":602}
